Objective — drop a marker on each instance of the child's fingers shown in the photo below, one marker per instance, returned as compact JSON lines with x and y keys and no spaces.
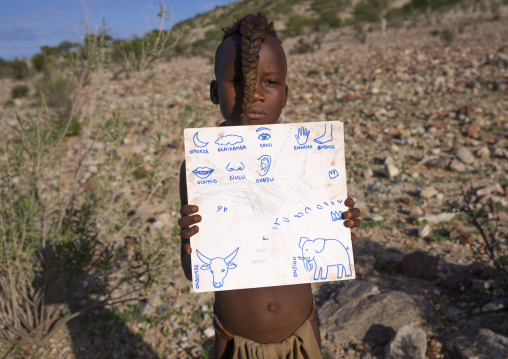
{"x":349,"y":202}
{"x":187,"y":248}
{"x":352,"y":223}
{"x":188,"y":209}
{"x":352,"y":213}
{"x":186,"y":233}
{"x":188,"y":221}
{"x":353,"y":237}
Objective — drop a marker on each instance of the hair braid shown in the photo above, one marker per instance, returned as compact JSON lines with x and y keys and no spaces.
{"x":253,"y":30}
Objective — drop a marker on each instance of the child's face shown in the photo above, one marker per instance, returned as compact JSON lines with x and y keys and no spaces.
{"x":271,"y":91}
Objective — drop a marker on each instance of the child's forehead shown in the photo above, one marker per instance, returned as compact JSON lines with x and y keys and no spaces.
{"x":228,"y":52}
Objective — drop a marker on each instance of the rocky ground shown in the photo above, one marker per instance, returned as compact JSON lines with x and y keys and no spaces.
{"x":422,"y":119}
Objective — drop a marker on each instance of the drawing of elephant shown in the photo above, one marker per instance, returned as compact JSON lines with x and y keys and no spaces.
{"x":323,"y":253}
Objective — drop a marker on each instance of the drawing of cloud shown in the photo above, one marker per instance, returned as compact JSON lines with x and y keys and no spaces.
{"x":229,"y":140}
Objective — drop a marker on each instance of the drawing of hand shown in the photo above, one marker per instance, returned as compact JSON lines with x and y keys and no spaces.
{"x":303,"y":136}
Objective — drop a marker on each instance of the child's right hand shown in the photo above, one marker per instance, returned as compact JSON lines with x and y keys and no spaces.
{"x":187,"y":223}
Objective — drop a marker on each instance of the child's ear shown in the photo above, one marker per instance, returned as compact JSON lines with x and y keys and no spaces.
{"x":214,"y":92}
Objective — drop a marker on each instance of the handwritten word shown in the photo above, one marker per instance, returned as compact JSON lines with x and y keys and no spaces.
{"x":220,"y":207}
{"x":234,"y":148}
{"x":198,"y":151}
{"x":300,"y":214}
{"x":265,"y":179}
{"x":294,"y":268}
{"x":257,"y":261}
{"x":207,"y":181}
{"x":196,"y":275}
{"x":304,"y":147}
{"x":236,"y":178}
{"x":326,"y":147}
{"x":265,"y":145}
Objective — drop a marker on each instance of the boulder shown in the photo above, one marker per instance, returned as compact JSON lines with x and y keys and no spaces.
{"x":409,"y":342}
{"x":419,"y":265}
{"x":478,"y":343}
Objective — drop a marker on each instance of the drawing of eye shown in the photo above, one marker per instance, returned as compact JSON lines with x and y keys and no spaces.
{"x":203,"y":172}
{"x":264,"y":136}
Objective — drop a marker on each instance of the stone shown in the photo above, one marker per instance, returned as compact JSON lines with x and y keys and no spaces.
{"x":495,"y":321}
{"x":375,"y":318}
{"x":457,"y":282}
{"x":465,"y":155}
{"x":438,"y":162}
{"x":472,"y":130}
{"x":419,"y":265}
{"x":425,"y":231}
{"x":368,"y":173}
{"x":415,"y":212}
{"x":428,"y":192}
{"x":409,"y":342}
{"x":209,"y":332}
{"x":437,"y":218}
{"x":479,"y":285}
{"x":478,"y":343}
{"x":391,"y":171}
{"x":495,"y":305}
{"x":389,"y":160}
{"x":485,"y":191}
{"x":457,"y":166}
{"x":146,"y":308}
{"x":483,"y":153}
{"x":364,"y":264}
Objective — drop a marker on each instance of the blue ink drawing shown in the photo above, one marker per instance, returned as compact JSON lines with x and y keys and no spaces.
{"x":203,"y":172}
{"x":264,"y":161}
{"x":264,"y":136}
{"x":225,"y":209}
{"x":333,"y":174}
{"x":218,"y":266}
{"x":321,"y":254}
{"x":302,"y":136}
{"x":198,"y":142}
{"x":265,"y":239}
{"x":235,"y":166}
{"x":229,"y":140}
{"x":336,"y":216}
{"x":325,"y":137}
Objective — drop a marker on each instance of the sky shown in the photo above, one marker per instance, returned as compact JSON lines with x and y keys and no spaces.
{"x":26,"y":25}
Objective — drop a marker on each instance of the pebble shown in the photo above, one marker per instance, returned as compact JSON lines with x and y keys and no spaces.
{"x":465,"y":155}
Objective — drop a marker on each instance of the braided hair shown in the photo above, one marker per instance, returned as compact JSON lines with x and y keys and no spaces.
{"x":253,"y":30}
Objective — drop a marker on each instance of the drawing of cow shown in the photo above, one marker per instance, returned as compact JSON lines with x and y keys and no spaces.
{"x":218,"y":266}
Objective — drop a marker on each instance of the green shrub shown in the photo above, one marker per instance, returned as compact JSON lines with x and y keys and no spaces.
{"x":369,"y":10}
{"x":19,"y":91}
{"x":330,"y":18}
{"x":40,"y":62}
{"x":19,"y":69}
{"x":297,"y":24}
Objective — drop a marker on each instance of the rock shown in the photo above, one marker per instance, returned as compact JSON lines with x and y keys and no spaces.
{"x":389,"y":160}
{"x":409,"y":342}
{"x":419,"y":265}
{"x":439,"y":162}
{"x":156,"y":226}
{"x":478,"y":343}
{"x":416,"y":211}
{"x":465,"y":155}
{"x":457,"y":166}
{"x":498,"y":304}
{"x":479,"y":285}
{"x":209,"y":332}
{"x":472,"y":130}
{"x":457,"y":282}
{"x":496,"y":321}
{"x":368,"y":173}
{"x":146,"y":308}
{"x":425,"y":231}
{"x":196,"y":351}
{"x":364,"y":264}
{"x":374,"y":318}
{"x":377,"y":218}
{"x":428,"y":192}
{"x":391,"y":171}
{"x":483,"y":153}
{"x":495,"y":188}
{"x":437,"y":218}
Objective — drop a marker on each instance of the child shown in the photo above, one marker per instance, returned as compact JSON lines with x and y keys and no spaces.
{"x":250,"y":87}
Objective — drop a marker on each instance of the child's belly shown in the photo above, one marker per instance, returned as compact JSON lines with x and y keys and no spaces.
{"x":264,"y":315}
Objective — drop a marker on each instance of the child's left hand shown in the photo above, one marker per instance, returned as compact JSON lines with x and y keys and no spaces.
{"x":351,"y":217}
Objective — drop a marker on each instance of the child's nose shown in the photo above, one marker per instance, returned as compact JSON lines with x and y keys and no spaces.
{"x":259,"y":91}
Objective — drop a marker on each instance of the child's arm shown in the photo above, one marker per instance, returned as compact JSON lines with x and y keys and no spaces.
{"x":187,"y":224}
{"x":351,"y":217}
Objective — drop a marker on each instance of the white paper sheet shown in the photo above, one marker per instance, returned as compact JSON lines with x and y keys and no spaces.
{"x":271,"y":199}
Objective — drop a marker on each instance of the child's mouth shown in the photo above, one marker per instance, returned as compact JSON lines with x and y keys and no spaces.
{"x":256,"y":115}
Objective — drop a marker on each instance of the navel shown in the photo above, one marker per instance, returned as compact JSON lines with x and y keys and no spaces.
{"x":272,"y":306}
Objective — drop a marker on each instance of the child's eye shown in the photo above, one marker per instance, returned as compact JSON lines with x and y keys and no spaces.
{"x":271,"y":82}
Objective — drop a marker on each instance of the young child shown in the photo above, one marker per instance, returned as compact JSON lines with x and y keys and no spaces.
{"x":250,"y":88}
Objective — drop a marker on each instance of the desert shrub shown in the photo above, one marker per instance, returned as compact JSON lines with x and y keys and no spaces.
{"x":60,"y":225}
{"x":19,"y":69}
{"x":303,"y":47}
{"x":330,"y":18}
{"x":297,"y":24}
{"x":19,"y":91}
{"x":395,"y":17}
{"x":369,"y":10}
{"x":40,"y":62}
{"x":56,"y":88}
{"x":422,"y":5}
{"x":447,"y":36}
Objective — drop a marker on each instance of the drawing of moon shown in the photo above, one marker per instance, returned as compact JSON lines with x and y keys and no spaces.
{"x":198,"y":142}
{"x":265,"y":161}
